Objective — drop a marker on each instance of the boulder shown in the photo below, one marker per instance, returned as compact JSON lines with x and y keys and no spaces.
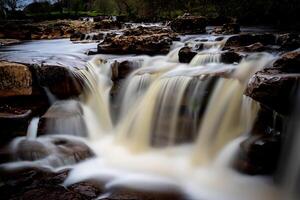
{"x":61,"y":81}
{"x":273,"y":86}
{"x":188,"y":24}
{"x":289,"y":41}
{"x":230,"y":57}
{"x":186,"y":54}
{"x":15,"y":79}
{"x":121,"y":69}
{"x":77,"y":36}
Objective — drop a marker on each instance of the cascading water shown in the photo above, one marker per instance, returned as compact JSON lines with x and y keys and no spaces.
{"x":33,"y":128}
{"x":164,"y":106}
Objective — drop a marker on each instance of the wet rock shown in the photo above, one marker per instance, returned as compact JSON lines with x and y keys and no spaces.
{"x":15,"y":79}
{"x":43,"y":184}
{"x":274,"y":87}
{"x":108,"y":24}
{"x":145,"y":44}
{"x":121,"y":69}
{"x":289,"y":41}
{"x":259,"y":154}
{"x":55,"y":151}
{"x":246,"y":39}
{"x":227,"y":29}
{"x":189,"y":24}
{"x":186,"y":54}
{"x":230,"y":57}
{"x":61,"y":81}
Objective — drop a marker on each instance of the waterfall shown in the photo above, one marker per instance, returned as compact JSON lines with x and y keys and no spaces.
{"x":223,"y":119}
{"x":97,"y":85}
{"x":205,"y":58}
{"x":33,"y":128}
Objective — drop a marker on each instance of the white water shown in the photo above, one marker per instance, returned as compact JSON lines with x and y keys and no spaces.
{"x":33,"y":128}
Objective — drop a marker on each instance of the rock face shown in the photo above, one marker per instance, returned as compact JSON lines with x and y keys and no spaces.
{"x":188,"y":24}
{"x":145,"y":44}
{"x":15,"y":79}
{"x":273,"y":87}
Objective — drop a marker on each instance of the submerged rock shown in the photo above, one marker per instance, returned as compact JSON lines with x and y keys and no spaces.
{"x":15,"y":79}
{"x":189,"y":24}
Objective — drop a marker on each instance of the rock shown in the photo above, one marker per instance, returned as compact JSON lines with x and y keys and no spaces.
{"x":289,"y":62}
{"x":145,"y":44}
{"x":188,"y":24}
{"x":107,"y":24}
{"x":289,"y":41}
{"x":61,"y":81}
{"x":42,"y":184}
{"x":15,"y":79}
{"x":16,"y":114}
{"x":246,"y":39}
{"x":141,"y":30}
{"x":229,"y":57}
{"x":121,"y":69}
{"x":227,"y":29}
{"x":186,"y":54}
{"x":273,"y":86}
{"x":55,"y":151}
{"x":259,"y":154}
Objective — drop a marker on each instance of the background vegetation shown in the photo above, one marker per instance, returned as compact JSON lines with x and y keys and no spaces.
{"x":275,"y":12}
